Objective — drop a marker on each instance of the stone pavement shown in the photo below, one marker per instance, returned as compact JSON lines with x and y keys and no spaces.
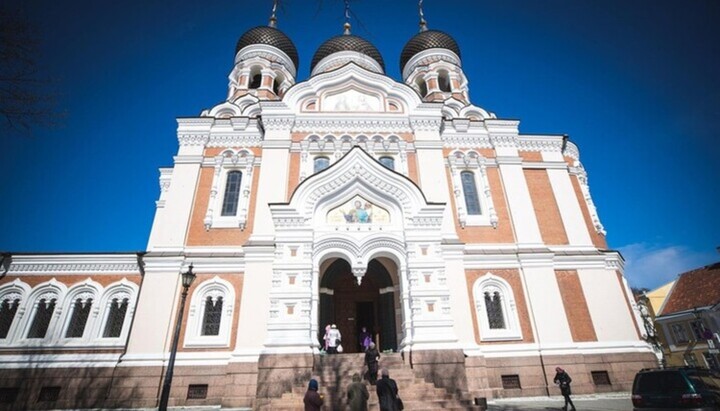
{"x":617,"y":401}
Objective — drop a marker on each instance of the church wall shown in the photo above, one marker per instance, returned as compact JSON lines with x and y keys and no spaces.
{"x":270,"y":186}
{"x":545,"y":206}
{"x":608,"y":306}
{"x":569,"y":208}
{"x":598,"y":239}
{"x":293,"y":174}
{"x":576,"y":309}
{"x":197,"y":234}
{"x":513,"y":278}
{"x":254,"y":306}
{"x":520,"y":204}
{"x":543,"y":293}
{"x":413,"y":168}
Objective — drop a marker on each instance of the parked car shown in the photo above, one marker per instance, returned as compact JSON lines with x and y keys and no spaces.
{"x":680,"y":388}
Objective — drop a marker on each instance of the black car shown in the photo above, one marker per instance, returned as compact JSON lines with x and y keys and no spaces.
{"x":681,"y":388}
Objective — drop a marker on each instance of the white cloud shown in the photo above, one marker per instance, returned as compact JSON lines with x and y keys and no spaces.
{"x":651,"y":266}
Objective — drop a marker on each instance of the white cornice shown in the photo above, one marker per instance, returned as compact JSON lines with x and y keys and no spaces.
{"x":74,"y":264}
{"x":363,"y":124}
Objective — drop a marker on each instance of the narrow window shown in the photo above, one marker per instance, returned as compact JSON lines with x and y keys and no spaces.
{"x":78,"y":320}
{"x":321,"y":163}
{"x":472,"y":201}
{"x":679,"y":334}
{"x":43,"y":315}
{"x":493,"y":306}
{"x":116,"y":318}
{"x":212,"y":317}
{"x":232,"y":193}
{"x":444,"y":81}
{"x":255,"y":81}
{"x":698,"y":329}
{"x":277,"y":82}
{"x":388,"y":162}
{"x":421,"y":87}
{"x":8,"y":309}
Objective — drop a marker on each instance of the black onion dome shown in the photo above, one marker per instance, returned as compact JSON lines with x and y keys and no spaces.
{"x":272,"y":37}
{"x":429,"y":39}
{"x":346,"y":42}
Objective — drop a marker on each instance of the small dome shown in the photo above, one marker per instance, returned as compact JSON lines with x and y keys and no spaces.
{"x":429,"y":39}
{"x":346,"y":42}
{"x":272,"y":37}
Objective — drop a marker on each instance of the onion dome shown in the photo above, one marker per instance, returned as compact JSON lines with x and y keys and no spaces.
{"x":428,"y":39}
{"x":347,"y":42}
{"x":272,"y":37}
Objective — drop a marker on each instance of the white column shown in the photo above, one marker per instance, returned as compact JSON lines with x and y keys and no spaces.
{"x":546,"y":305}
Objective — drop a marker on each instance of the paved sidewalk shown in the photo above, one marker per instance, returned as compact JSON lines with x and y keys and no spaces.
{"x":616,"y":401}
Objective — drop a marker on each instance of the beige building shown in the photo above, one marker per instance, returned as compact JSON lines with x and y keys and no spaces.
{"x":472,"y":253}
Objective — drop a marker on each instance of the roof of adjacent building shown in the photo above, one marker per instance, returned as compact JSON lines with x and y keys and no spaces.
{"x":696,"y":288}
{"x":272,"y":37}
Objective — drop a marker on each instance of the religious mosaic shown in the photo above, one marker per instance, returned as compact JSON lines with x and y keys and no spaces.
{"x":358,"y":211}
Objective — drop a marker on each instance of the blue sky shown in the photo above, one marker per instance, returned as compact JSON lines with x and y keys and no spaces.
{"x":635,"y":85}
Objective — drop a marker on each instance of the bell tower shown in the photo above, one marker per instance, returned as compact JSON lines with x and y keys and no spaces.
{"x":266,"y":63}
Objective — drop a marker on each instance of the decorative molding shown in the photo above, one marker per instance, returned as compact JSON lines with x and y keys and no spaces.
{"x":185,"y":140}
{"x":542,"y":143}
{"x":234,"y":140}
{"x":352,"y":125}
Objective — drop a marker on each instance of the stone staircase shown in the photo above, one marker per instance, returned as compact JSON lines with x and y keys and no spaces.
{"x":334,"y":374}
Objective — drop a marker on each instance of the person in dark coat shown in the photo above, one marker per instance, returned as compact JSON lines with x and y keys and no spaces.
{"x":387,"y":392}
{"x":357,"y":394}
{"x":563,"y":380}
{"x":313,"y":400}
{"x":372,"y":356}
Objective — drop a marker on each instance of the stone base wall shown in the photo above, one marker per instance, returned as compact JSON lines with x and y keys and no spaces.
{"x":484,"y":375}
{"x":239,"y":385}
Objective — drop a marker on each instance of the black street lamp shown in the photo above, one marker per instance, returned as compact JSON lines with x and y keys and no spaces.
{"x":187,"y":279}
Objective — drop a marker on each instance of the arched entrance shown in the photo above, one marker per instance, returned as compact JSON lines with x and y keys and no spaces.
{"x":372,"y":304}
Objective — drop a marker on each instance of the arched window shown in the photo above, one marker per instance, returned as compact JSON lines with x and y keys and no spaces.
{"x":43,"y":311}
{"x":116,"y":317}
{"x":232,"y":193}
{"x":493,"y":306}
{"x":320,"y":164}
{"x":495,"y":309}
{"x":444,"y":81}
{"x":388,"y":162}
{"x":277,"y":82}
{"x":210,"y":314}
{"x":8,"y":308}
{"x":472,"y":201}
{"x":255,"y":79}
{"x":421,"y":87}
{"x":79,"y":317}
{"x":213,"y":315}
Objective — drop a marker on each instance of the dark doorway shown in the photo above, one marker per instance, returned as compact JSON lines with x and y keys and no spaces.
{"x":351,"y":306}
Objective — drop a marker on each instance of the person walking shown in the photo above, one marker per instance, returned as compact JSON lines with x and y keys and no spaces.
{"x":357,"y":394}
{"x":372,"y":356}
{"x":334,"y":339}
{"x":387,"y":392}
{"x":326,"y":338}
{"x":313,"y":400}
{"x":563,"y":380}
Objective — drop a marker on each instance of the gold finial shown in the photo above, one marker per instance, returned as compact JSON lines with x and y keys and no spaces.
{"x":423,"y":23}
{"x":273,"y":19}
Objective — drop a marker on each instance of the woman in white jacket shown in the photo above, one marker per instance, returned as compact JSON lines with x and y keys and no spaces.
{"x":334,"y":339}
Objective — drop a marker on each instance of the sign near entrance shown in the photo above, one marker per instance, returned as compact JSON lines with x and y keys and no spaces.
{"x":358,"y":211}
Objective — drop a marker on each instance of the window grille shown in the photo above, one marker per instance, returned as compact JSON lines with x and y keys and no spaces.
{"x":49,"y":394}
{"x":232,"y":193}
{"x":8,"y":395}
{"x":510,"y":382}
{"x":679,"y":333}
{"x":320,"y":164}
{"x":600,"y":377}
{"x":698,"y":329}
{"x":78,"y":320}
{"x":493,"y":306}
{"x":116,"y":318}
{"x":472,"y":201}
{"x":388,"y":162}
{"x":197,"y":391}
{"x":7,"y":314}
{"x":212,"y":317}
{"x":43,"y":315}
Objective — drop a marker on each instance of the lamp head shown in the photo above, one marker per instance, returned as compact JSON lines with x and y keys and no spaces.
{"x":188,"y":277}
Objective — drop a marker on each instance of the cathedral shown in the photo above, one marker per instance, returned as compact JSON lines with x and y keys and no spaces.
{"x":471,"y":254}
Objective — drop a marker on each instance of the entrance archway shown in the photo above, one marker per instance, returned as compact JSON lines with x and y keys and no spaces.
{"x":350,"y":306}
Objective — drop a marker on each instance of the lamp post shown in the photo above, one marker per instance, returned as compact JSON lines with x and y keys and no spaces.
{"x":187,"y":279}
